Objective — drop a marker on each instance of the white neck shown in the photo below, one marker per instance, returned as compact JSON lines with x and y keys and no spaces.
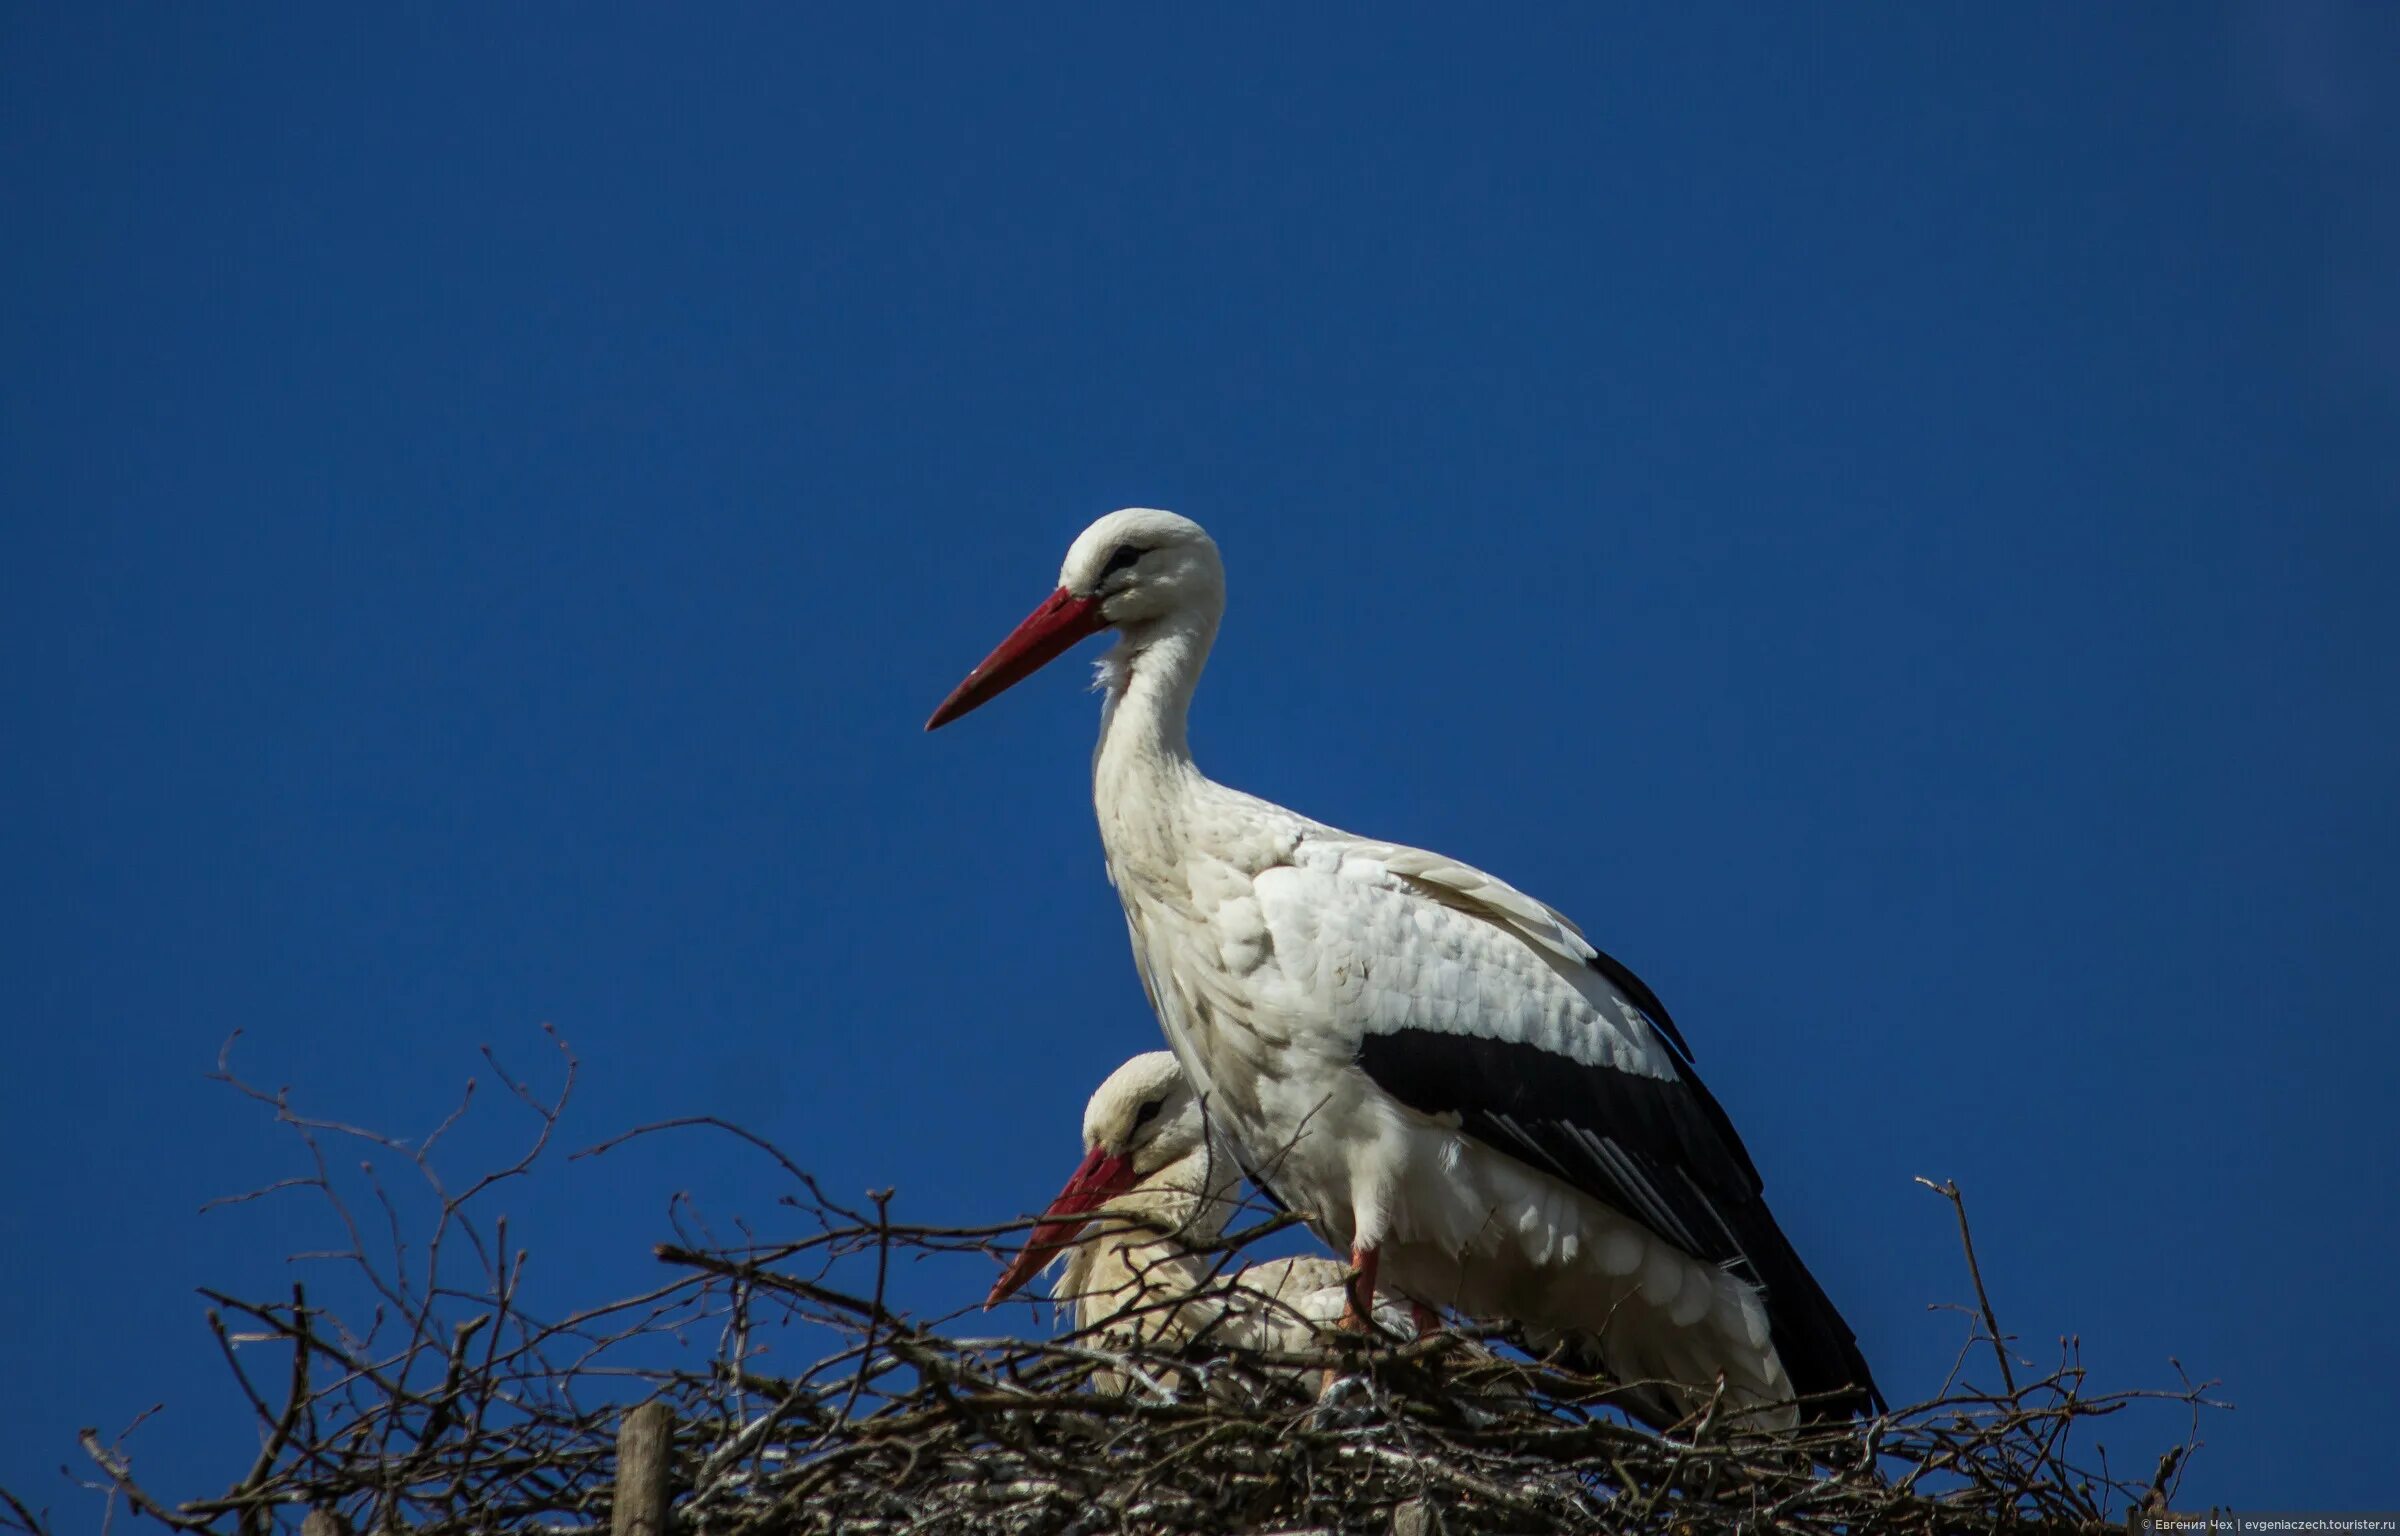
{"x":1143,"y":765}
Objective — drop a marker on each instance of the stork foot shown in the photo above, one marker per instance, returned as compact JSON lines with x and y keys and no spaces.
{"x":1344,"y":1402}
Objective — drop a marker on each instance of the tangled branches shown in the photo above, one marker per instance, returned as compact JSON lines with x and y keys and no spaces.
{"x":437,"y":1400}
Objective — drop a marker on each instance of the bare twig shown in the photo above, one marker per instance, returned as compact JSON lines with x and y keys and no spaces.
{"x":1948,"y":1190}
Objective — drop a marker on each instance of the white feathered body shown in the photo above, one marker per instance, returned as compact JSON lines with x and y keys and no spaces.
{"x":1271,"y":945}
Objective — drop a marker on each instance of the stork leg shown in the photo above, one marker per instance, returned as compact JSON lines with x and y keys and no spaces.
{"x":1358,"y":1305}
{"x":1358,"y":1314}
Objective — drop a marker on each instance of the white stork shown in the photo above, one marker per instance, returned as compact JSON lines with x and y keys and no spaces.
{"x":1439,"y":1072}
{"x":1158,"y":1186}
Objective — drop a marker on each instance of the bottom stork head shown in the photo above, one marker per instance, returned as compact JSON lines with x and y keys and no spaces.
{"x":1144,"y":1119}
{"x":1131,"y":571}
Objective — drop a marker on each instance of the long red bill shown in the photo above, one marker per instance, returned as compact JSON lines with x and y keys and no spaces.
{"x":1100,"y":1179}
{"x":1061,"y":620}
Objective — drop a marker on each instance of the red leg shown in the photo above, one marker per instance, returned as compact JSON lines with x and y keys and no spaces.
{"x":1358,"y":1308}
{"x":1426,"y":1319}
{"x":1358,"y":1305}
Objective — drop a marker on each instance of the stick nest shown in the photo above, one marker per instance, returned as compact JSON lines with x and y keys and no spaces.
{"x":441,"y":1403}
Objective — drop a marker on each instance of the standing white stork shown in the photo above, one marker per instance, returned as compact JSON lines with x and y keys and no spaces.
{"x":1158,"y":1185}
{"x":1440,"y":1073}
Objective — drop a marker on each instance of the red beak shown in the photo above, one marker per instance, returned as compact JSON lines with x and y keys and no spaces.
{"x":1100,"y":1179}
{"x":1062,"y":620}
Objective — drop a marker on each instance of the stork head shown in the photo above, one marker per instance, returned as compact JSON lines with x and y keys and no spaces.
{"x":1132,"y":571}
{"x":1143,"y":1120}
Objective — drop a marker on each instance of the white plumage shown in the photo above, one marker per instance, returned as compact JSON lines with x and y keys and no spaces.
{"x":1441,"y":1073}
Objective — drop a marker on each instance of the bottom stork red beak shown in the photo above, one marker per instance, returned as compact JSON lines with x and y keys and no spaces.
{"x":1061,"y":620}
{"x":1100,"y":1179}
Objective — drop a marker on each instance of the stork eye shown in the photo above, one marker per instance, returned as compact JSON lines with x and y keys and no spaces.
{"x":1121,"y":558}
{"x":1148,"y":1112}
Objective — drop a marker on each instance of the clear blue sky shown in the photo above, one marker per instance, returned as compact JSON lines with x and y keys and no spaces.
{"x":1886,"y":515}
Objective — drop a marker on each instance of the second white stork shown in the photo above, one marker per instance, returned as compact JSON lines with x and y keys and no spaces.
{"x":1153,"y":1191}
{"x":1442,"y":1074}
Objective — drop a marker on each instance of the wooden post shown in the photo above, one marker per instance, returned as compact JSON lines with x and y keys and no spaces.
{"x":645,"y":1447}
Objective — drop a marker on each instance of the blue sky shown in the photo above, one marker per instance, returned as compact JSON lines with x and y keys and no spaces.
{"x":1886,"y":515}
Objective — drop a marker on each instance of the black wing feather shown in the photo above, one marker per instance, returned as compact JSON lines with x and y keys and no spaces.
{"x":1658,"y":1150}
{"x":1637,"y":992}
